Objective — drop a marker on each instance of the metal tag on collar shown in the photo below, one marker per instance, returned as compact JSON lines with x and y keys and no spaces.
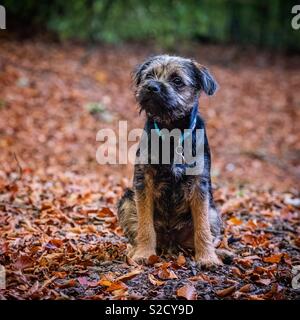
{"x":179,"y":150}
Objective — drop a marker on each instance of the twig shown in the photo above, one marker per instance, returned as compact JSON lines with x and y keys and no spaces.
{"x":20,"y":168}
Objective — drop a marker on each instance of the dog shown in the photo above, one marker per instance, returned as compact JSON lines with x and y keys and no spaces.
{"x":168,"y":210}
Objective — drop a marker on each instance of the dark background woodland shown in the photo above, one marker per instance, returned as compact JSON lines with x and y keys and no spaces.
{"x":262,"y":23}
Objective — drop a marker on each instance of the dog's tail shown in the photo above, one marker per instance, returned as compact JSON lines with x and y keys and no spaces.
{"x":128,"y":215}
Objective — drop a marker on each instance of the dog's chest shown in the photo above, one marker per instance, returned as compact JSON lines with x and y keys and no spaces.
{"x":171,"y":208}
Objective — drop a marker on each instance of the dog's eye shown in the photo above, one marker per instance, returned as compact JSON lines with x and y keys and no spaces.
{"x":177,"y":81}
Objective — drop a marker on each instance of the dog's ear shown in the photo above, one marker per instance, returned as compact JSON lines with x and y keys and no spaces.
{"x":204,"y":80}
{"x":138,"y":71}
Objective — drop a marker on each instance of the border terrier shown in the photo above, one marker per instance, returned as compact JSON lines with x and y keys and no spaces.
{"x":168,"y":210}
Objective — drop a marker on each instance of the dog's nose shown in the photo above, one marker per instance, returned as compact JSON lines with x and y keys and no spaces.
{"x":153,"y":86}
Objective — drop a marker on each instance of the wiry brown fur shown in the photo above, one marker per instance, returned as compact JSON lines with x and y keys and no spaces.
{"x":168,"y":210}
{"x":161,"y":68}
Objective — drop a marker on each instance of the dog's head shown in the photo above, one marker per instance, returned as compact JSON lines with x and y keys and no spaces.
{"x":167,"y":87}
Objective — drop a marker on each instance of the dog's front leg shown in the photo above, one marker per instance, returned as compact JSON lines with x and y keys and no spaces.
{"x":205,"y":254}
{"x":146,"y":236}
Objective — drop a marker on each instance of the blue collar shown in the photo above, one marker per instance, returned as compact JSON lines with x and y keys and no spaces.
{"x":184,"y":135}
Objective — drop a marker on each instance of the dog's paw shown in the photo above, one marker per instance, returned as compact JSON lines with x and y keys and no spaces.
{"x":208,"y":261}
{"x":142,"y":255}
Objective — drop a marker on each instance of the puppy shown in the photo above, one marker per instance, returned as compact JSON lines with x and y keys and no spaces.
{"x":168,"y":210}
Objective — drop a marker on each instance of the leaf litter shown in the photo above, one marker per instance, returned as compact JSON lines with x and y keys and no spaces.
{"x":60,"y":237}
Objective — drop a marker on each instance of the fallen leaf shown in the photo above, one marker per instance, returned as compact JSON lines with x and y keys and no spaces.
{"x":297,"y":242}
{"x":247,"y":261}
{"x":129,"y":275}
{"x":200,"y":277}
{"x":236,"y":271}
{"x":101,"y":77}
{"x":166,"y":274}
{"x":235,"y":221}
{"x":3,"y":247}
{"x":226,"y":292}
{"x":33,"y":289}
{"x":255,"y":297}
{"x":67,"y":284}
{"x":56,"y":242}
{"x":116,"y":285}
{"x":275,"y":258}
{"x":155,"y":281}
{"x":105,"y":283}
{"x":105,"y":212}
{"x":23,"y":262}
{"x":75,"y":230}
{"x":246,"y":288}
{"x":181,"y":260}
{"x":188,"y":292}
{"x":264,"y":281}
{"x":152,"y":260}
{"x":255,"y":240}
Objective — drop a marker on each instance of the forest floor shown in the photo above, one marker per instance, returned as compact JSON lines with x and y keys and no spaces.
{"x":59,"y":235}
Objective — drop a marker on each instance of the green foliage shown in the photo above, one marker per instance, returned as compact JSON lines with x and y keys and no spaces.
{"x":95,"y":107}
{"x":263,"y":23}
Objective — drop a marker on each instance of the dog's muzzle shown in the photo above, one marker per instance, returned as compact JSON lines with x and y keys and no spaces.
{"x":152,"y":98}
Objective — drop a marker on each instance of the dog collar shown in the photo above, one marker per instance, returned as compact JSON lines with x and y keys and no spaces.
{"x":183,"y":136}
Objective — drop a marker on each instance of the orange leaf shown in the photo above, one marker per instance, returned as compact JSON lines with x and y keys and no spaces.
{"x":105,"y":283}
{"x":101,"y":77}
{"x":181,"y":260}
{"x":129,"y":275}
{"x":188,"y":292}
{"x":167,"y":274}
{"x":200,"y":277}
{"x":75,"y":230}
{"x":246,"y":288}
{"x":251,"y":224}
{"x":248,"y":261}
{"x":23,"y":262}
{"x":297,"y":242}
{"x":117,"y":285}
{"x":3,"y":248}
{"x":236,"y":271}
{"x":105,"y":212}
{"x":155,"y":281}
{"x":226,"y":292}
{"x":152,"y":259}
{"x":235,"y":221}
{"x":275,"y":258}
{"x":56,"y":242}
